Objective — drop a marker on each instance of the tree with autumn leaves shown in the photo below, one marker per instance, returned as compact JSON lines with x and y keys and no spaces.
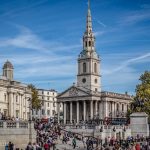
{"x":141,"y":102}
{"x":36,"y":102}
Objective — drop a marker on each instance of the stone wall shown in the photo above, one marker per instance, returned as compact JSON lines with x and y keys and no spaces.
{"x":107,"y":131}
{"x":17,"y":133}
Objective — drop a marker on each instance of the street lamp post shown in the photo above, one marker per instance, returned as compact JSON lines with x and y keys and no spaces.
{"x":30,"y":120}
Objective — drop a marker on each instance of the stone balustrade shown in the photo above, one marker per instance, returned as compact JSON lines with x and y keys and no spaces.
{"x":17,"y":132}
{"x":13,"y":124}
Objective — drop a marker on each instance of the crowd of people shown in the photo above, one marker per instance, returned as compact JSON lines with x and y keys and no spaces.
{"x":48,"y":135}
{"x":51,"y":134}
{"x":4,"y":117}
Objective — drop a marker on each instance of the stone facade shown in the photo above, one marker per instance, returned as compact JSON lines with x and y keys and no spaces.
{"x":17,"y":133}
{"x":49,"y":104}
{"x":139,"y":124}
{"x":86,"y":100}
{"x":14,"y":95}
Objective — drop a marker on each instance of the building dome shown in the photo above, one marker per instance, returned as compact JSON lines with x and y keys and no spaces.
{"x":8,"y":64}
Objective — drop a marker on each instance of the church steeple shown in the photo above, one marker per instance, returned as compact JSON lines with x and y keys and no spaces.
{"x":88,"y":37}
{"x":89,"y":19}
{"x":88,"y":62}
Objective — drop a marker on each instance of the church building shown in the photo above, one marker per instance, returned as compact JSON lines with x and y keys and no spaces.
{"x":85,"y":100}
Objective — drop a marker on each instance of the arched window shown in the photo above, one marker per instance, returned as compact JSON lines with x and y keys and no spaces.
{"x":89,"y":43}
{"x":84,"y":67}
{"x":86,"y":44}
{"x":95,"y":67}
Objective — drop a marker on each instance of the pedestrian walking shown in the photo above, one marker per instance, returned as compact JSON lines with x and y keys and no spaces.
{"x":74,"y":143}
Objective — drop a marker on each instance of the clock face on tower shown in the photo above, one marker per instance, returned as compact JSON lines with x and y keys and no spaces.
{"x":83,"y":80}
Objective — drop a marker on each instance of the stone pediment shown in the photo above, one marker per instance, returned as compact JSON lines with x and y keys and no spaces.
{"x":73,"y":92}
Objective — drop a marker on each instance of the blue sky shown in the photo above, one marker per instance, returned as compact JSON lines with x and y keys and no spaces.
{"x":42,"y":38}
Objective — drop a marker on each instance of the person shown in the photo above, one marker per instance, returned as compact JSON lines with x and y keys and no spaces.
{"x":84,"y":141}
{"x":74,"y":143}
{"x":6,"y":147}
{"x":29,"y":146}
{"x":46,"y":146}
{"x":11,"y":146}
{"x":34,"y":146}
{"x":137,"y":147}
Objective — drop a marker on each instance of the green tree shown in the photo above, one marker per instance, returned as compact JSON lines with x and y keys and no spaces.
{"x":142,"y":98}
{"x":36,"y":102}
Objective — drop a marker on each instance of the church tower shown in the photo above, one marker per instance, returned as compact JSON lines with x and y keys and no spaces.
{"x":88,"y":61}
{"x":8,"y":70}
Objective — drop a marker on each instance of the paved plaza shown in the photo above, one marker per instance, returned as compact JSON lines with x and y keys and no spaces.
{"x":68,"y":146}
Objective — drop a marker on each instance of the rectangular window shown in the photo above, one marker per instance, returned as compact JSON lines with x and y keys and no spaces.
{"x":17,"y":113}
{"x":5,"y":97}
{"x":47,"y":93}
{"x":48,"y":112}
{"x":53,"y":112}
{"x":48,"y":104}
{"x":16,"y":99}
{"x":43,"y":112}
{"x":36,"y":112}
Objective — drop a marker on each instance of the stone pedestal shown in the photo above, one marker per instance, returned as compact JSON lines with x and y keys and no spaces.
{"x":139,"y":124}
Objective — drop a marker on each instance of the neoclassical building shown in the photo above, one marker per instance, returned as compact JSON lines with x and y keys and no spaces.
{"x":14,"y":95}
{"x":85,"y":100}
{"x":49,"y":104}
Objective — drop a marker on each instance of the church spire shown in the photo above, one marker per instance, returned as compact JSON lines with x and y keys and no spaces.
{"x":89,"y":19}
{"x":89,"y":38}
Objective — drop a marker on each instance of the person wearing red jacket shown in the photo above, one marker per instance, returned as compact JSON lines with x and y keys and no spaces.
{"x":46,"y":146}
{"x":137,"y":147}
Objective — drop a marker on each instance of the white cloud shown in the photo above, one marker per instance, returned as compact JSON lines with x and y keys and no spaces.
{"x":28,"y":40}
{"x":127,"y":63}
{"x":134,"y":17}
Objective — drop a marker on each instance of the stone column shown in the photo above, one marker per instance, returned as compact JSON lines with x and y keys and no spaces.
{"x":70,"y":112}
{"x":84,"y":110}
{"x":106,"y":110}
{"x":120,"y":109}
{"x":14,"y":105}
{"x":113,"y":111}
{"x":58,"y":112}
{"x":77,"y":111}
{"x":10,"y":101}
{"x":91,"y":109}
{"x":101,"y":109}
{"x":64,"y":104}
{"x":96,"y":108}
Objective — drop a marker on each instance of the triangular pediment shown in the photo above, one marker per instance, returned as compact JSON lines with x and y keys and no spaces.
{"x":73,"y":91}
